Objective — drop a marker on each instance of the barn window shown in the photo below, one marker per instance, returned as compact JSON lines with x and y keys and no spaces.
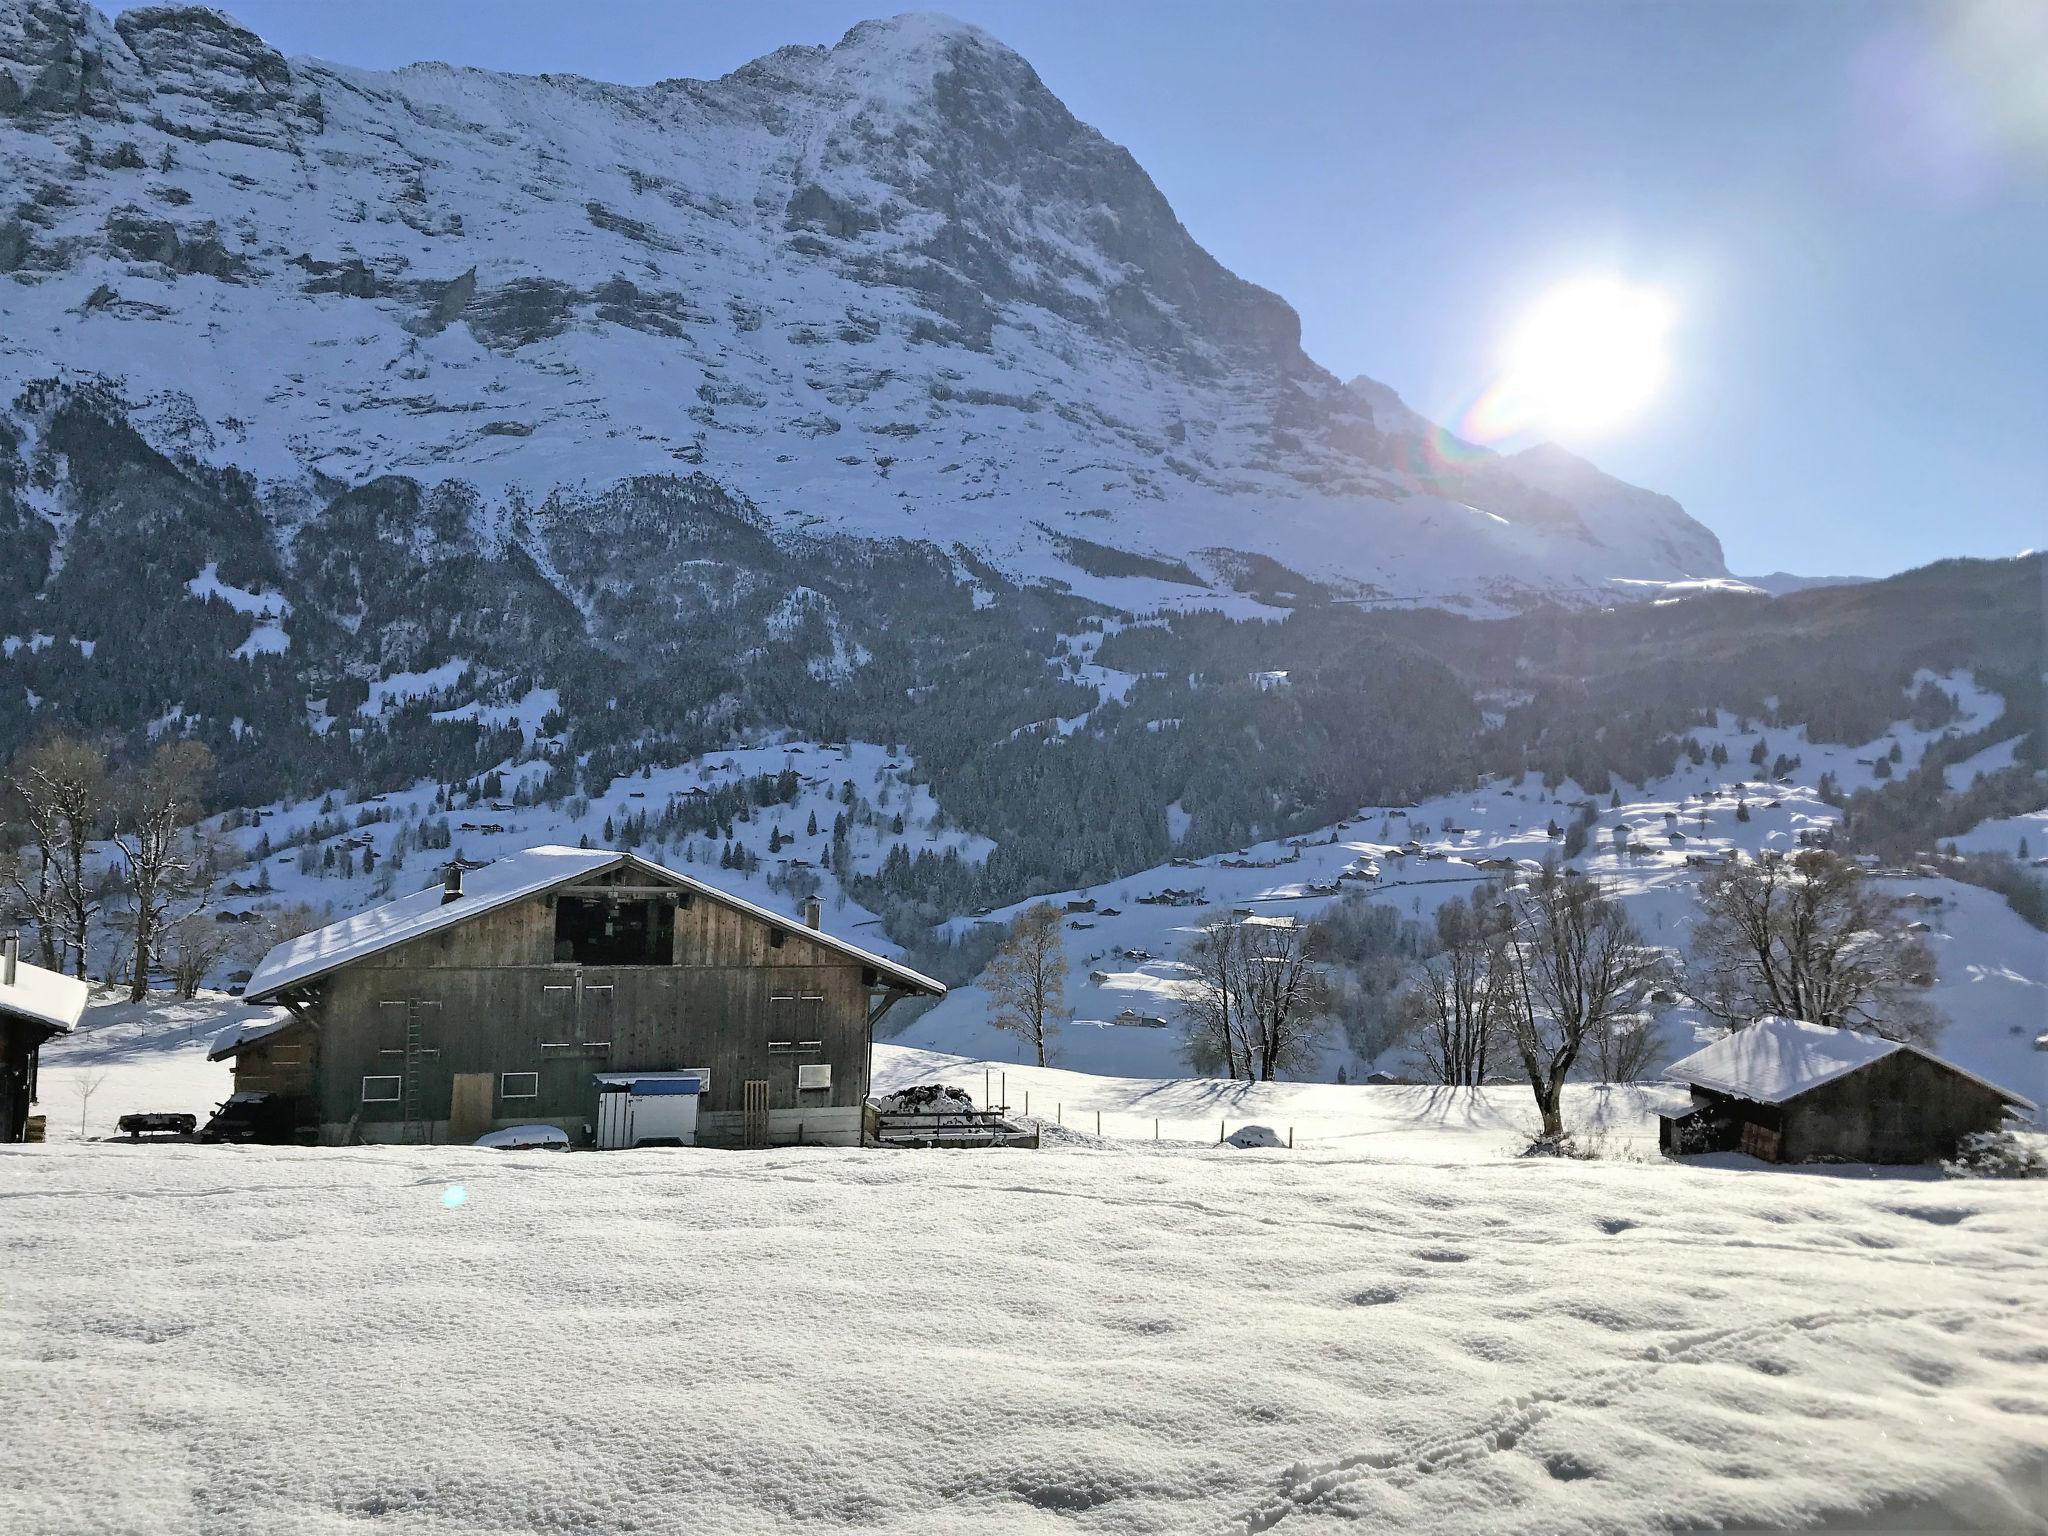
{"x":595,"y":931}
{"x":782,"y":1021}
{"x":518,"y":1085}
{"x":814,"y":1077}
{"x":382,"y":1090}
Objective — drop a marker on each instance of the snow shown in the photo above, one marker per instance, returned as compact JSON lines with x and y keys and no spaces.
{"x":1776,"y":1059}
{"x":402,"y":687}
{"x":497,"y":884}
{"x":1991,"y":977}
{"x":1993,"y":759}
{"x":269,"y":609}
{"x":251,"y":1026}
{"x":139,"y":1057}
{"x":45,"y":997}
{"x":1399,"y":1124}
{"x":2004,"y":834}
{"x":423,"y":173}
{"x":1128,"y":1340}
{"x":522,"y":1138}
{"x":884,"y":781}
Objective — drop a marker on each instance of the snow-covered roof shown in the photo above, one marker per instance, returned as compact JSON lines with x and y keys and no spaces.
{"x":497,"y":884}
{"x":1776,"y":1059}
{"x":258,"y":1024}
{"x":44,"y":997}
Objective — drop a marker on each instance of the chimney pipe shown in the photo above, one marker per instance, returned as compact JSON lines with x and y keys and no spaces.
{"x":10,"y":958}
{"x":810,"y":911}
{"x":451,"y":884}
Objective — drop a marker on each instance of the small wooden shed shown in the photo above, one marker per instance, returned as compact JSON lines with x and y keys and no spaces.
{"x":35,"y":1004}
{"x":1788,"y":1091}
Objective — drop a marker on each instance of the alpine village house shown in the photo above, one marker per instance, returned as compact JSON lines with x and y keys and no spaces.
{"x":582,"y":988}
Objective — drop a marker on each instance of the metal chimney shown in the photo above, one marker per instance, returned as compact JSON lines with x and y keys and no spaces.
{"x":810,"y":911}
{"x":451,"y":883}
{"x":10,"y":958}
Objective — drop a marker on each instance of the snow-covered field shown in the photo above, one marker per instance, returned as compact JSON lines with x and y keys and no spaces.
{"x":1088,"y":1337}
{"x":1397,"y":1325}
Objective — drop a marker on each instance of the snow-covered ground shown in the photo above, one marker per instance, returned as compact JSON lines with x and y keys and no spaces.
{"x":1383,"y":1123}
{"x":129,"y":1058}
{"x":1092,"y":1337}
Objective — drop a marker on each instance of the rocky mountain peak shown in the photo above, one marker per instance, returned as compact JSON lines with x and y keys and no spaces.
{"x":891,"y":287}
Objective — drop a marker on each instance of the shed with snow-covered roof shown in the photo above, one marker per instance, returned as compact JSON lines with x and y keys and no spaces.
{"x":529,"y":989}
{"x":1790,"y":1091}
{"x":35,"y":1004}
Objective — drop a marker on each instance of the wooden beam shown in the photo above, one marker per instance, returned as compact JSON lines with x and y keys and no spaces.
{"x":616,"y":892}
{"x":889,"y":1000}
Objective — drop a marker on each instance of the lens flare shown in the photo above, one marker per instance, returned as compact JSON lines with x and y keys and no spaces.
{"x":1589,"y":354}
{"x":454,"y":1197}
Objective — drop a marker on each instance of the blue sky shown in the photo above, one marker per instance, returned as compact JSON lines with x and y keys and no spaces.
{"x":1842,"y":199}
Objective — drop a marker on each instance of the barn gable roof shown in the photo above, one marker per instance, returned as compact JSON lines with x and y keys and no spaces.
{"x":48,"y":998}
{"x":1776,"y":1059}
{"x":499,"y":884}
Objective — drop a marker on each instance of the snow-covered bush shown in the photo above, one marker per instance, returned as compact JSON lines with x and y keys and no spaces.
{"x":1999,"y":1155}
{"x":1255,"y":1136}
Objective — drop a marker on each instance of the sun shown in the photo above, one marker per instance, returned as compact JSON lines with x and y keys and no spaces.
{"x":1586,"y":356}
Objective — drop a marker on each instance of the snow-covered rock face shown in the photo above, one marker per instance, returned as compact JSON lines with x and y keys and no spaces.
{"x":891,"y":287}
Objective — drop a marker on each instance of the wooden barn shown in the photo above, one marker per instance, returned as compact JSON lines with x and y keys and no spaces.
{"x":1792,"y":1092}
{"x":35,"y":1004}
{"x":578,"y":987}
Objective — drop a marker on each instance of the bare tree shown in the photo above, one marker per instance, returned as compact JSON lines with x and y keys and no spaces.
{"x":1027,"y":979}
{"x":1808,"y":939}
{"x":194,"y":944}
{"x":294,"y":918}
{"x":1217,"y":1026}
{"x":83,"y":1087}
{"x":157,"y":804}
{"x":1580,"y":968}
{"x":1457,"y":1006}
{"x":61,"y":785}
{"x":1286,"y":994}
{"x":33,"y":895}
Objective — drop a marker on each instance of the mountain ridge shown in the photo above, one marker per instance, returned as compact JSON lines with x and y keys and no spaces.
{"x":890,"y":288}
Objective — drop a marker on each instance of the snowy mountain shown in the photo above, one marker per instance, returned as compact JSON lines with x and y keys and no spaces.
{"x":889,"y":289}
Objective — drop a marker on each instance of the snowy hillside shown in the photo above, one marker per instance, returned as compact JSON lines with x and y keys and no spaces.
{"x":890,"y":288}
{"x":1124,"y":950}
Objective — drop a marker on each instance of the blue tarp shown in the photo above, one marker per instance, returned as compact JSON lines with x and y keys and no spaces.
{"x":651,"y":1084}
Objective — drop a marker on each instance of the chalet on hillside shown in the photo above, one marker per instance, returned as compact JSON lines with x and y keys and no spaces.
{"x":35,"y":1005}
{"x":578,"y":987}
{"x":1791,"y":1092}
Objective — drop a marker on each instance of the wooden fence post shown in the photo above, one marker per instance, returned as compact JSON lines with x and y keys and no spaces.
{"x":1219,"y":1132}
{"x":1098,"y":1123}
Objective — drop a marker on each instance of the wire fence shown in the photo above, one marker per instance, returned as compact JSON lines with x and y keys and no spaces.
{"x":1120,"y":1125}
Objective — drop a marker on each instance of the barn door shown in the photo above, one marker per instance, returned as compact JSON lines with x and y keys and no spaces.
{"x":469,"y":1106}
{"x":755,"y":1118}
